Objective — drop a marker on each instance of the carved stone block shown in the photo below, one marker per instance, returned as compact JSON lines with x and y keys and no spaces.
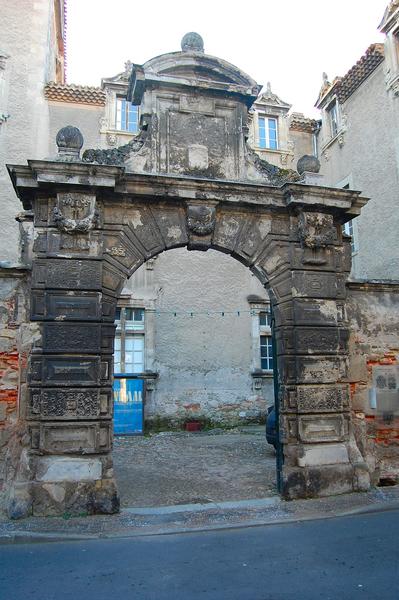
{"x":43,"y":209}
{"x":113,"y":279}
{"x":121,"y":252}
{"x":322,"y":398}
{"x":71,"y":337}
{"x":227,"y":229}
{"x":309,"y":284}
{"x":253,"y":236}
{"x":75,"y":438}
{"x":311,"y":340}
{"x":307,"y":312}
{"x":326,"y":428}
{"x":71,"y":403}
{"x":171,"y":222}
{"x":75,"y":306}
{"x":65,"y":370}
{"x":276,"y":258}
{"x":311,"y":369}
{"x":329,"y":258}
{"x":75,"y":246}
{"x":142,"y":230}
{"x":68,"y":274}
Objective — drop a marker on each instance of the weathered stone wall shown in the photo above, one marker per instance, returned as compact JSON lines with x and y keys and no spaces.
{"x":373,"y":313}
{"x":205,"y":361}
{"x":13,"y":300}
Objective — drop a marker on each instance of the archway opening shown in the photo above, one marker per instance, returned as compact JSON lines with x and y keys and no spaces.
{"x":193,"y":368}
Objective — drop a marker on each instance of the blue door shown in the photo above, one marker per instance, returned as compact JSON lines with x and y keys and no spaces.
{"x":128,"y":405}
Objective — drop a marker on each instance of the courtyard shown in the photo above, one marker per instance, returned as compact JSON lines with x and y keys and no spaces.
{"x":171,"y":468}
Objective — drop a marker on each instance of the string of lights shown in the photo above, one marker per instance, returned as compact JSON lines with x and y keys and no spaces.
{"x":220,"y":312}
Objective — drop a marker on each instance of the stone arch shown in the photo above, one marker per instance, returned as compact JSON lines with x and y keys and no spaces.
{"x":94,"y":225}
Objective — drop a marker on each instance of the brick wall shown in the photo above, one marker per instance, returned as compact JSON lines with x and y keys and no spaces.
{"x":373,"y":312}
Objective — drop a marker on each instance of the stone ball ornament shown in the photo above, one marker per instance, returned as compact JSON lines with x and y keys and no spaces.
{"x":69,"y":137}
{"x":192,"y":42}
{"x":69,"y":142}
{"x":308,"y":163}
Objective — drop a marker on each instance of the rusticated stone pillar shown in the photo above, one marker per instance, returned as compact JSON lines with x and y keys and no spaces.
{"x":307,"y":282}
{"x":68,"y":396}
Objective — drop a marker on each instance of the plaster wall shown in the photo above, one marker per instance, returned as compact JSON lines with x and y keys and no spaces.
{"x":303,"y":144}
{"x":85,"y":117}
{"x":373,"y":313}
{"x":26,"y":38}
{"x":368,"y":160}
{"x":204,"y":361}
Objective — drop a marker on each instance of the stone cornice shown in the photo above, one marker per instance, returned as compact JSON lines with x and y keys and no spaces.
{"x":373,"y":285}
{"x":42,"y":175}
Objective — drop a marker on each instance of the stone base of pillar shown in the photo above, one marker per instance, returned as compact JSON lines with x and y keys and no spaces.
{"x":65,"y":486}
{"x":324,"y":480}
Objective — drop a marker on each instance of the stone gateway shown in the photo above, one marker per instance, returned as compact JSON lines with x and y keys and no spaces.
{"x":192,"y":182}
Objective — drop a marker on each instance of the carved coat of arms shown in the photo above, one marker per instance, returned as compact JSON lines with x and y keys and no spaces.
{"x":75,"y":213}
{"x":201,"y":219}
{"x":316,"y":230}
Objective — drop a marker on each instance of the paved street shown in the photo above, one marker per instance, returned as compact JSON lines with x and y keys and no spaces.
{"x":190,"y":468}
{"x":342,"y":558}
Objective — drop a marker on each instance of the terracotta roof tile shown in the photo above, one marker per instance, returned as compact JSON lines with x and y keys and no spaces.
{"x":74,"y":93}
{"x":360,"y":71}
{"x":298,"y":122}
{"x":344,"y":86}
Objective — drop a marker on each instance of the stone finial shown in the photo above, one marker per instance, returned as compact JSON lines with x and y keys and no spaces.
{"x":69,"y":141}
{"x":192,"y":42}
{"x":308,"y":163}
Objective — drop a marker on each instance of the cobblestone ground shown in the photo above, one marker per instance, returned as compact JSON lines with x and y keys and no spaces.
{"x":186,"y":468}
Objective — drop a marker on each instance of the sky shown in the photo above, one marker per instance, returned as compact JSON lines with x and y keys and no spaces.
{"x":287,"y":42}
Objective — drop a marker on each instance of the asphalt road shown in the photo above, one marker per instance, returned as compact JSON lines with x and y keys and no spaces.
{"x":341,"y":558}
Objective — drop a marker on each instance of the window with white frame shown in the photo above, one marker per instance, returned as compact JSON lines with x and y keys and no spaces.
{"x":126,"y":116}
{"x":129,"y":340}
{"x":348,"y":229}
{"x":268,"y":135}
{"x":265,"y":339}
{"x":333,"y":117}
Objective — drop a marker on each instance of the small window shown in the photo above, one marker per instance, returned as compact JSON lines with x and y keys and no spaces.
{"x":268,"y":133}
{"x":266,"y":352}
{"x":127,"y":116}
{"x":332,"y":111}
{"x":264,"y":319}
{"x":348,"y":228}
{"x":134,"y":318}
{"x":129,"y":341}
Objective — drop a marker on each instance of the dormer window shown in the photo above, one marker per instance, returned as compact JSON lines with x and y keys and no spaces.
{"x":268,"y":133}
{"x":332,"y":112}
{"x":127,"y":116}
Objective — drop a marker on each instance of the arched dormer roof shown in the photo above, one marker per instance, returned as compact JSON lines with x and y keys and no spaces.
{"x":196,"y":65}
{"x":192,"y":68}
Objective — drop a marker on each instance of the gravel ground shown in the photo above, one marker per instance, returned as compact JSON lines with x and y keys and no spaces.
{"x":188,"y":468}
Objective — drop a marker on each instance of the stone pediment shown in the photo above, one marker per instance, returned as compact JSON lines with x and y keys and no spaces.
{"x":120,"y":78}
{"x":268,"y":98}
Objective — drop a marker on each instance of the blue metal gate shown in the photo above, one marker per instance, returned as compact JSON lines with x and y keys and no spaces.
{"x":128,"y":405}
